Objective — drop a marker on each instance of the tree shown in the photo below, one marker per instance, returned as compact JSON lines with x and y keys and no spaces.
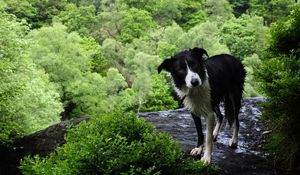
{"x":271,"y":10}
{"x":205,"y":35}
{"x":45,"y":11}
{"x":59,"y":54}
{"x":22,"y":9}
{"x":136,"y":23}
{"x":240,"y":6}
{"x":96,"y":3}
{"x":218,"y":11}
{"x":192,"y":13}
{"x":285,"y":34}
{"x":160,"y":97}
{"x":172,"y":34}
{"x":109,"y":25}
{"x":80,"y":19}
{"x":167,"y":11}
{"x":142,"y":65}
{"x":111,"y":52}
{"x":66,"y":60}
{"x":251,"y":87}
{"x":244,"y":35}
{"x":28,"y":101}
{"x":99,"y":63}
{"x":163,"y":12}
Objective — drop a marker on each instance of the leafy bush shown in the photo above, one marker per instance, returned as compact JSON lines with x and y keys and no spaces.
{"x":115,"y":144}
{"x":280,"y":77}
{"x":251,"y":87}
{"x":160,"y":98}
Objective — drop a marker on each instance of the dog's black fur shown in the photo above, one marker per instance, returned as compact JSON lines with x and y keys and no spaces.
{"x":219,"y":78}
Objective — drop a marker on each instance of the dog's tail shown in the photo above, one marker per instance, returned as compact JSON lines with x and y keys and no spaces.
{"x":229,"y":109}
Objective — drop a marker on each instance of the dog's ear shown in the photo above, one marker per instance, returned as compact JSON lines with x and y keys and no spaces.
{"x":199,"y":53}
{"x":165,"y":65}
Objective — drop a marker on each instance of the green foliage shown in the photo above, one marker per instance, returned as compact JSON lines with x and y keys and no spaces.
{"x":251,"y":87}
{"x":111,"y":51}
{"x":81,"y":19}
{"x":105,"y":53}
{"x":114,"y":144}
{"x":239,"y":6}
{"x":280,"y":77}
{"x":167,"y":11}
{"x":218,"y":11}
{"x":82,"y":92}
{"x":192,"y":14}
{"x":96,"y":3}
{"x":160,"y":97}
{"x":59,"y":54}
{"x":23,"y":87}
{"x":163,"y":12}
{"x":98,"y":63}
{"x":46,"y":10}
{"x":22,"y":9}
{"x":205,"y":35}
{"x":109,"y":23}
{"x":285,"y":33}
{"x":135,"y":24}
{"x":244,"y":35}
{"x":271,"y":10}
{"x":103,"y":56}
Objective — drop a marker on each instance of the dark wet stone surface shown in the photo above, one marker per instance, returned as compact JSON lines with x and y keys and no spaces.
{"x":247,"y":159}
{"x":42,"y":142}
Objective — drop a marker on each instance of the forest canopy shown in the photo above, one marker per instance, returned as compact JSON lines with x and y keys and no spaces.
{"x":61,"y":59}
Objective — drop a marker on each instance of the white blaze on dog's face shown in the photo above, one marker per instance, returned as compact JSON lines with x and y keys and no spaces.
{"x":192,"y":79}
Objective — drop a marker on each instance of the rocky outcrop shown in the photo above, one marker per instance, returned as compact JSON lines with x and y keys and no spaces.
{"x":42,"y":143}
{"x":247,"y":159}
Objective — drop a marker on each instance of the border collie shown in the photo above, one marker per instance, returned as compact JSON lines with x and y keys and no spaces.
{"x":202,"y":83}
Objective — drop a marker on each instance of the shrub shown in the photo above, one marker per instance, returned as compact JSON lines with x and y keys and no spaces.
{"x":114,"y":144}
{"x":160,"y":97}
{"x":280,"y":78}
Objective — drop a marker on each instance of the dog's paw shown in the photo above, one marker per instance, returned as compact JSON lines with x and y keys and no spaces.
{"x":232,"y":144}
{"x":196,"y":151}
{"x":206,"y":159}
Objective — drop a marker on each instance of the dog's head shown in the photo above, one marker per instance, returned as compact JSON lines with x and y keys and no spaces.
{"x":187,"y":68}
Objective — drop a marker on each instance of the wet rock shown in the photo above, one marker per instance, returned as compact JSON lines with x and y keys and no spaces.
{"x":45,"y":141}
{"x":247,"y":159}
{"x":42,"y":143}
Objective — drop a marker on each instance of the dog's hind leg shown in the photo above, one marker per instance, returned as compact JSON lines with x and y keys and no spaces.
{"x":219,"y":117}
{"x":198,"y":150}
{"x":235,"y":99}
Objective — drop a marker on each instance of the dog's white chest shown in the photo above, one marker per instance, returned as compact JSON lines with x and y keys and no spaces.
{"x":197,"y":100}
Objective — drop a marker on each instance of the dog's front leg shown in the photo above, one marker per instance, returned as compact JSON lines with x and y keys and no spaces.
{"x":198,"y":150}
{"x":208,"y":138}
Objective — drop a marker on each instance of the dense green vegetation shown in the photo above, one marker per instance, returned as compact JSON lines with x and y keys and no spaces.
{"x":115,"y":144}
{"x":280,"y":77}
{"x":60,"y":59}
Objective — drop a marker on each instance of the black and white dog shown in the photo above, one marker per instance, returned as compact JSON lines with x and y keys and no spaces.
{"x":202,"y":84}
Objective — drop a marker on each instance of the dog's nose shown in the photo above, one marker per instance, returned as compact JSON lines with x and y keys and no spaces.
{"x":195,"y":82}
